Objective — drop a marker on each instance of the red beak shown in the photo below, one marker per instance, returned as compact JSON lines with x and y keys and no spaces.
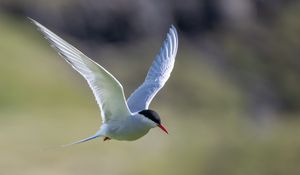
{"x":162,"y":128}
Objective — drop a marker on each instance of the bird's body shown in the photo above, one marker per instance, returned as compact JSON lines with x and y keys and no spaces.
{"x":131,"y":129}
{"x":121,"y":120}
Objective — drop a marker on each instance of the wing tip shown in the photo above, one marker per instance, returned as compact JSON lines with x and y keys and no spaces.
{"x":173,"y":32}
{"x":172,"y":37}
{"x":173,"y":29}
{"x":39,"y":26}
{"x":32,"y":20}
{"x":173,"y":26}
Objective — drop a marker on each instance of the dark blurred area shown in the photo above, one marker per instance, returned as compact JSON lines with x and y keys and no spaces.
{"x":124,"y":21}
{"x":256,"y":43}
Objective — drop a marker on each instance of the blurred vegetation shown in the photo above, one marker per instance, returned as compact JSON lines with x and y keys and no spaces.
{"x":231,"y":104}
{"x":254,"y":43}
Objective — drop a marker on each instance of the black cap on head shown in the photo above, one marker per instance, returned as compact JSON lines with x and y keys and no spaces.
{"x":152,"y":115}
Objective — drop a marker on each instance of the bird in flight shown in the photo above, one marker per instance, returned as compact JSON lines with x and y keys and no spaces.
{"x":121,"y":120}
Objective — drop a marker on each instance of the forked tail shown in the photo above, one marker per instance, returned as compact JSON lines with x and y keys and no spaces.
{"x":83,"y":140}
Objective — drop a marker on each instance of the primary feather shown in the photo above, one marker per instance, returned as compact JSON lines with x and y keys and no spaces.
{"x":106,"y":88}
{"x":158,"y":74}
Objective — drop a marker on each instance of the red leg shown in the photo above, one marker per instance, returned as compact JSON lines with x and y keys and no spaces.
{"x":106,"y":138}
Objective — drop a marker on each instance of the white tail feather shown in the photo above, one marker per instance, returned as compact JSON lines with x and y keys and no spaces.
{"x":83,"y":140}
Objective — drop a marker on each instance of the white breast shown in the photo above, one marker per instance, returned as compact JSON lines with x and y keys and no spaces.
{"x":131,"y":129}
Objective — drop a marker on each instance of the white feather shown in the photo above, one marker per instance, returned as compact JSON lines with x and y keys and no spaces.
{"x":106,"y":88}
{"x":158,"y":74}
{"x":118,"y":121}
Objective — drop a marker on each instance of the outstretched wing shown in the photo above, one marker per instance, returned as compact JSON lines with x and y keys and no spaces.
{"x":158,"y":74}
{"x":106,"y":88}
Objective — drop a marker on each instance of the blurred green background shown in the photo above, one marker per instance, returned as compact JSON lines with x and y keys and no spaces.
{"x":232,"y":104}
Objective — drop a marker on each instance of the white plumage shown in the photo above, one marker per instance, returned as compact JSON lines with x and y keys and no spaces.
{"x":158,"y":74}
{"x":119,"y":120}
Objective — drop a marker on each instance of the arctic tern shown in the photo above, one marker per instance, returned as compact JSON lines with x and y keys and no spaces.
{"x":121,"y":120}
